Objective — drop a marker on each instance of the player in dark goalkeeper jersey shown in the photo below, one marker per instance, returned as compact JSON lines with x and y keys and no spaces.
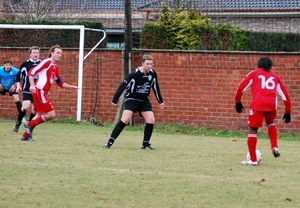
{"x":138,"y":85}
{"x":265,"y":85}
{"x":22,"y":79}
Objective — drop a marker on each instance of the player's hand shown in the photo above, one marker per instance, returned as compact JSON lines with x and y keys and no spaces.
{"x":32,"y":89}
{"x":239,"y":107}
{"x":162,"y":106}
{"x":19,"y":89}
{"x":287,"y":118}
{"x":114,"y":104}
{"x":73,"y":87}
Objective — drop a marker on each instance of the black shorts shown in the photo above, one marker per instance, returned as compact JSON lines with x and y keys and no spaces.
{"x":27,"y":96}
{"x":10,"y":94}
{"x":138,"y":106}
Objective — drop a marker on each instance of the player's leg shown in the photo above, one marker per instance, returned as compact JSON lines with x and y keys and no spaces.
{"x":149,"y":120}
{"x":255,"y":120}
{"x":19,"y":107}
{"x":126,"y":116}
{"x":44,"y":110}
{"x":148,"y":115}
{"x":32,"y":114}
{"x":272,"y":131}
{"x":251,"y":143}
{"x":15,"y":95}
{"x":25,"y":135}
{"x":42,"y":117}
{"x":129,"y":108}
{"x":27,"y":98}
{"x":2,"y":90}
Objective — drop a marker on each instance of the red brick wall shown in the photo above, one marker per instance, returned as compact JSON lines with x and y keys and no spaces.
{"x":198,"y":87}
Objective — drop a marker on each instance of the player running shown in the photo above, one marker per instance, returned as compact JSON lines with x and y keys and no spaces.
{"x":47,"y":72}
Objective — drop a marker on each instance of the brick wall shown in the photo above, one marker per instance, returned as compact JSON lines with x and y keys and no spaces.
{"x":198,"y":87}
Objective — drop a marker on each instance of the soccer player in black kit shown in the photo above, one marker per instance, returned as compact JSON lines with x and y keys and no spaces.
{"x":138,"y":84}
{"x":34,"y":54}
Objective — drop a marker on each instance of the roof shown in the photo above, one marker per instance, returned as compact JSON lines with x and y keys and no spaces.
{"x":222,"y":5}
{"x":118,"y":5}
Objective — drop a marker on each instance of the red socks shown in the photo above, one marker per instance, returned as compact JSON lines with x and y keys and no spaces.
{"x":272,"y":131}
{"x":36,"y":121}
{"x":251,"y":142}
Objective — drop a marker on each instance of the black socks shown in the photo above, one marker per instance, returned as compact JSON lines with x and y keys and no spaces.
{"x":19,"y":106}
{"x":116,"y":132}
{"x":31,"y":116}
{"x":147,"y":134}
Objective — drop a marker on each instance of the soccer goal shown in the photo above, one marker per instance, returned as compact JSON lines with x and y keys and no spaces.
{"x":81,"y":47}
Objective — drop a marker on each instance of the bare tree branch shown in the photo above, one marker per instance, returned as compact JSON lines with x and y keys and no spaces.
{"x":42,"y":9}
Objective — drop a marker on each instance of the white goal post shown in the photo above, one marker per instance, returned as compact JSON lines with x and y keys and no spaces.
{"x":81,"y":28}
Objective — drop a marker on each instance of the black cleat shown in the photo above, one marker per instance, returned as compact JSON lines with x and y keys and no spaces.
{"x":275,"y":152}
{"x":107,"y":145}
{"x":17,"y":126}
{"x":147,"y":147}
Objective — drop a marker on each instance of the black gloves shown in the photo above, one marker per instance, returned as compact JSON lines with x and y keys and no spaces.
{"x":239,"y":107}
{"x":287,"y":118}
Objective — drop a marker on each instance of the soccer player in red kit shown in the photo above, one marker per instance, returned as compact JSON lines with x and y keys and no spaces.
{"x":265,"y":84}
{"x":47,"y":72}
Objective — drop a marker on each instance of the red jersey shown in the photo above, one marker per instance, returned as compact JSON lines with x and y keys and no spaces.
{"x":264,"y":86}
{"x":47,"y":73}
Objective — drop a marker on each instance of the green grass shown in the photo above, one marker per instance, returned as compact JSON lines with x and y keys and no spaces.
{"x":185,"y":130}
{"x":67,"y":167}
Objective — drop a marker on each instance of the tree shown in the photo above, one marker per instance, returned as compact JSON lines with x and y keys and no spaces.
{"x":41,"y":9}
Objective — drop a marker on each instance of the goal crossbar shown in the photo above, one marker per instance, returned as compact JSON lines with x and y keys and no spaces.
{"x":81,"y":28}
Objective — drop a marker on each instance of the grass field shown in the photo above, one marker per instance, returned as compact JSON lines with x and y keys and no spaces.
{"x":67,"y":167}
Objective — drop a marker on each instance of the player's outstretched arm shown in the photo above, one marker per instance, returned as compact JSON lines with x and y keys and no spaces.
{"x":71,"y":87}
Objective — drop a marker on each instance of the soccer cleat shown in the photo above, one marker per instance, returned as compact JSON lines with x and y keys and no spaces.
{"x":24,"y":120}
{"x":147,"y":147}
{"x":249,"y":162}
{"x":275,"y":152}
{"x":28,"y":130}
{"x":17,"y":126}
{"x":107,"y":145}
{"x":24,"y":139}
{"x":27,"y":139}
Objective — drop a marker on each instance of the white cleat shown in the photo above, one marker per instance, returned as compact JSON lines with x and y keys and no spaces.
{"x":249,"y":162}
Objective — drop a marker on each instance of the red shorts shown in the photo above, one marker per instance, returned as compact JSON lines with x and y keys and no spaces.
{"x":41,"y":101}
{"x":256,"y":118}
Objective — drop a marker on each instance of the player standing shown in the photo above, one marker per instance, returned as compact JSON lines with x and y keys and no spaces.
{"x":47,"y":72}
{"x":34,"y":54}
{"x":138,"y":84}
{"x":265,"y":84}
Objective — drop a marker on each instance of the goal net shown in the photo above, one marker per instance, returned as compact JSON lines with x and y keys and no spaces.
{"x":73,"y":38}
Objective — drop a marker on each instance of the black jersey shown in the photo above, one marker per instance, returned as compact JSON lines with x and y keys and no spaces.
{"x":23,"y":74}
{"x":138,"y":86}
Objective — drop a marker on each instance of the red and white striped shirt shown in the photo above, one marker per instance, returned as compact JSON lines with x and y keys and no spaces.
{"x":47,"y":73}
